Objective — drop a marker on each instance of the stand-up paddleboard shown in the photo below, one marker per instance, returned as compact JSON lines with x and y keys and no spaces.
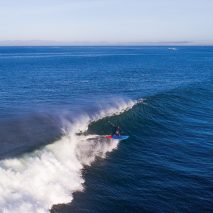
{"x":117,"y":137}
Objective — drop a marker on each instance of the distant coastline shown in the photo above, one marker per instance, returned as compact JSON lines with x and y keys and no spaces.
{"x":60,"y":43}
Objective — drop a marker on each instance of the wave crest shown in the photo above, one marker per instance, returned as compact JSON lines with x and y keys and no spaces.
{"x":35,"y":181}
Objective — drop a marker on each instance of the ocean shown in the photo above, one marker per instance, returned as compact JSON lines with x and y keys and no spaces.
{"x":58,"y":103}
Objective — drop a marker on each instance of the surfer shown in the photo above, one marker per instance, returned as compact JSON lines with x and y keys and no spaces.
{"x":117,"y":131}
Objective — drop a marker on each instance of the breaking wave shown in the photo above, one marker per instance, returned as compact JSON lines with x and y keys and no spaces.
{"x":35,"y":181}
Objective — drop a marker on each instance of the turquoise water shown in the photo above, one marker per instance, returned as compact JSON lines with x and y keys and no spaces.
{"x":56,"y":104}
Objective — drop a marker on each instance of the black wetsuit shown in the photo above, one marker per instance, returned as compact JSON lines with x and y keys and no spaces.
{"x":117,"y":131}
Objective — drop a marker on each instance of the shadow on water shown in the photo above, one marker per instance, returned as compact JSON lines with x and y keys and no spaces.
{"x":26,"y":133}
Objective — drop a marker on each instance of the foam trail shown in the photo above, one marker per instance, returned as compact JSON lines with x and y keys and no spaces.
{"x":36,"y":181}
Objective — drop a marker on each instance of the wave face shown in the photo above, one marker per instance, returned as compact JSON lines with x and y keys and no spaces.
{"x":166,"y":163}
{"x":35,"y":181}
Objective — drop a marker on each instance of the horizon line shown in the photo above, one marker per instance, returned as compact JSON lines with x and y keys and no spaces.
{"x":101,"y":43}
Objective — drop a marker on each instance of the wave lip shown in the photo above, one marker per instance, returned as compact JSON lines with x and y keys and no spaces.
{"x":34,"y":182}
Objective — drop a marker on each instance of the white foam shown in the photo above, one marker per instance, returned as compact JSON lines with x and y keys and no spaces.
{"x":36,"y":181}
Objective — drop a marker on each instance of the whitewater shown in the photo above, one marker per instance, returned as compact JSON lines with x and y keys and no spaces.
{"x":34,"y":182}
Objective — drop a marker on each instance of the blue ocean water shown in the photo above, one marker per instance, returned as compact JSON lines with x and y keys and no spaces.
{"x":57,"y":104}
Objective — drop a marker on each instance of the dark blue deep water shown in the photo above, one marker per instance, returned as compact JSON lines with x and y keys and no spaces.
{"x":166,"y":165}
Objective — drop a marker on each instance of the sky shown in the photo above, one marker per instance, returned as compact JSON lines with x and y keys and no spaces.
{"x":106,"y":21}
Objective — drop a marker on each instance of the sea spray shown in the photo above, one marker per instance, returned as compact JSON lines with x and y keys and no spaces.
{"x":35,"y":181}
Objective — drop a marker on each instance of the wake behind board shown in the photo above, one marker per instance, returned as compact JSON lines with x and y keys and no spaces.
{"x":117,"y":137}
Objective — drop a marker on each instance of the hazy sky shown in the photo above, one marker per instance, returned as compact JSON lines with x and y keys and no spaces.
{"x":107,"y":20}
